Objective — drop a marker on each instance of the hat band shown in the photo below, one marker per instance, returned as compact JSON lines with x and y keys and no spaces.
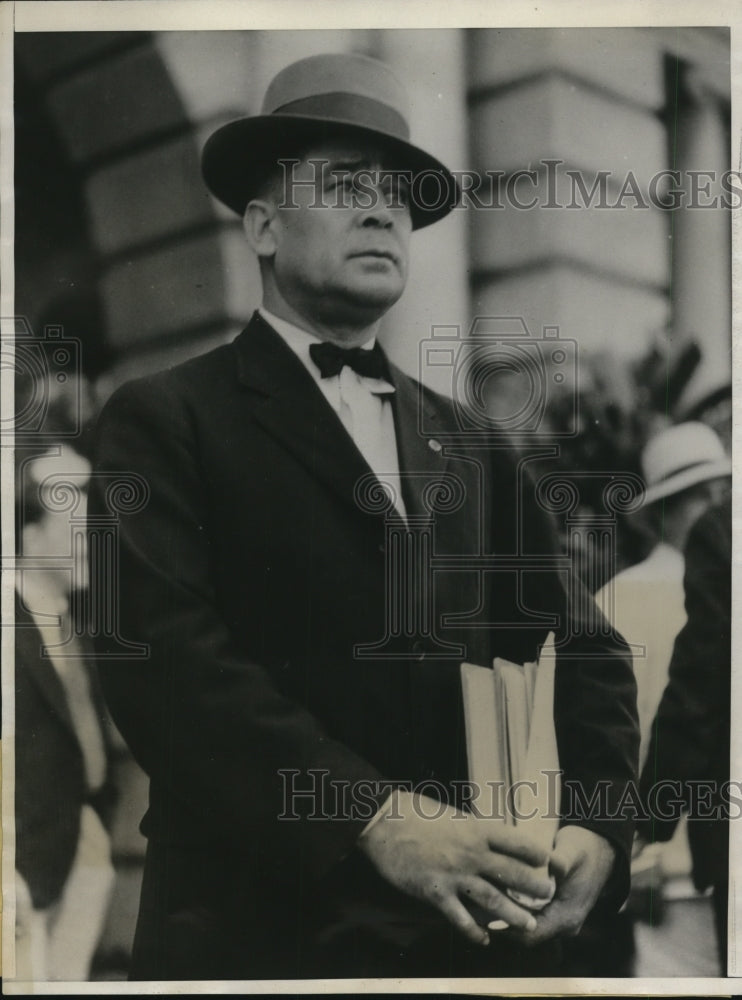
{"x":351,"y":109}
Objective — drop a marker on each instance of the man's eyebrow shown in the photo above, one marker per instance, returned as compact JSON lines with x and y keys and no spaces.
{"x":348,"y":166}
{"x":374,"y":167}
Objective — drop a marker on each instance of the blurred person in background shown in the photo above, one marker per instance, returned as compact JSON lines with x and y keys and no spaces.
{"x":63,"y":795}
{"x":691,"y":730}
{"x":685,"y":470}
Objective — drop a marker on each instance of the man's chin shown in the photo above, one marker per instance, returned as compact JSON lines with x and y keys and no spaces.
{"x":375,"y":296}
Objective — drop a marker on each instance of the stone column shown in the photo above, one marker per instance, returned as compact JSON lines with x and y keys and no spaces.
{"x":431,"y":65}
{"x":701,"y":298}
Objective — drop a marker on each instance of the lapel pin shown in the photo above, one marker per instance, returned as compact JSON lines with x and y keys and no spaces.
{"x":434,"y":445}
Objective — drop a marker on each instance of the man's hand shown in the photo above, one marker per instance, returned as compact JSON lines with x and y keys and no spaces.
{"x":581,"y":861}
{"x":456,"y":861}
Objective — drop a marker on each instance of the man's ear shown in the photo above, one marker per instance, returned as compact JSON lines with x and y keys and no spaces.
{"x":259,"y":223}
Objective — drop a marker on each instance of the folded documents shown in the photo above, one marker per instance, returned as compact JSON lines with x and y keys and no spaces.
{"x":512,"y":749}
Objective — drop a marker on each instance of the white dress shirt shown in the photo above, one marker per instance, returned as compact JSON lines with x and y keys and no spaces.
{"x":646,"y":604}
{"x":362,"y":403}
{"x":50,"y":612}
{"x":58,"y":942}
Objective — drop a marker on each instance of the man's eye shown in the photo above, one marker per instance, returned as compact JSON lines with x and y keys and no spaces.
{"x":397,"y":194}
{"x":344,"y":181}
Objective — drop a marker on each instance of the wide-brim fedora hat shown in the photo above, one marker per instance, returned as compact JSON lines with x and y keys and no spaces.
{"x":680,"y":457}
{"x":317,"y":98}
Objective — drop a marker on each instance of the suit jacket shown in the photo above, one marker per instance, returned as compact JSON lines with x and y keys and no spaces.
{"x":690,"y":735}
{"x":252,"y":574}
{"x":50,"y":785}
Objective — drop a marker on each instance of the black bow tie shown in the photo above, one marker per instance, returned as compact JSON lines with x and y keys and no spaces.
{"x":330,"y":359}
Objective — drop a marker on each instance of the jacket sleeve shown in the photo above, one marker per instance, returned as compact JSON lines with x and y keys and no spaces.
{"x":690,"y":734}
{"x":208,"y":726}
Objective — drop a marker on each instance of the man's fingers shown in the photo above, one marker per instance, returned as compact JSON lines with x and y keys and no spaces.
{"x":561,"y":863}
{"x":514,"y":874}
{"x":457,"y":914}
{"x":505,"y":840}
{"x":482,"y":894}
{"x":564,"y":916}
{"x":564,"y":919}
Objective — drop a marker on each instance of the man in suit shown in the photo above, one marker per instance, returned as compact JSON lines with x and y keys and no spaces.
{"x":684,"y":468}
{"x":279,"y":704}
{"x":62,"y":789}
{"x":690,"y":735}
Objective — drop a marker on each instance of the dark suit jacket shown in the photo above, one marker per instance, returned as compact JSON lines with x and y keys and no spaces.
{"x":253,"y":573}
{"x":690,"y":735}
{"x":50,"y":787}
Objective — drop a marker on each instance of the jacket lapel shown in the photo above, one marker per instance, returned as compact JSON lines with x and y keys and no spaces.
{"x":290,"y":406}
{"x":422,"y":458}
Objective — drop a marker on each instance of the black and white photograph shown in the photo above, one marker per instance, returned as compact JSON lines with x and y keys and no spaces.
{"x":367,"y":498}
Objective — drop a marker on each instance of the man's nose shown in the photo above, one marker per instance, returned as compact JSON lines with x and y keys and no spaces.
{"x":377,"y":221}
{"x":380,"y":215}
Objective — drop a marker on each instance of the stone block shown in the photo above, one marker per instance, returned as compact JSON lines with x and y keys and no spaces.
{"x":599,"y":314}
{"x":162,"y":292}
{"x":198,"y":283}
{"x":146,"y":360}
{"x":116,"y":103}
{"x":554,"y":118}
{"x":43,"y":54}
{"x":433,"y":69}
{"x":215,"y":72}
{"x":631,"y":242}
{"x":243,"y":288}
{"x":626,"y":62}
{"x":437,"y":293}
{"x":149,"y":195}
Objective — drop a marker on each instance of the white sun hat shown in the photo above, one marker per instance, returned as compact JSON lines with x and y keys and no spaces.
{"x":680,"y":457}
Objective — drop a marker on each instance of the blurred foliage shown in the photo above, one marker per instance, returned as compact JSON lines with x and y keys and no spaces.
{"x":618,"y":406}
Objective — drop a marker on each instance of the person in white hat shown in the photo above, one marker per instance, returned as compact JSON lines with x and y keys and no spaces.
{"x":684,"y":469}
{"x":280,"y":699}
